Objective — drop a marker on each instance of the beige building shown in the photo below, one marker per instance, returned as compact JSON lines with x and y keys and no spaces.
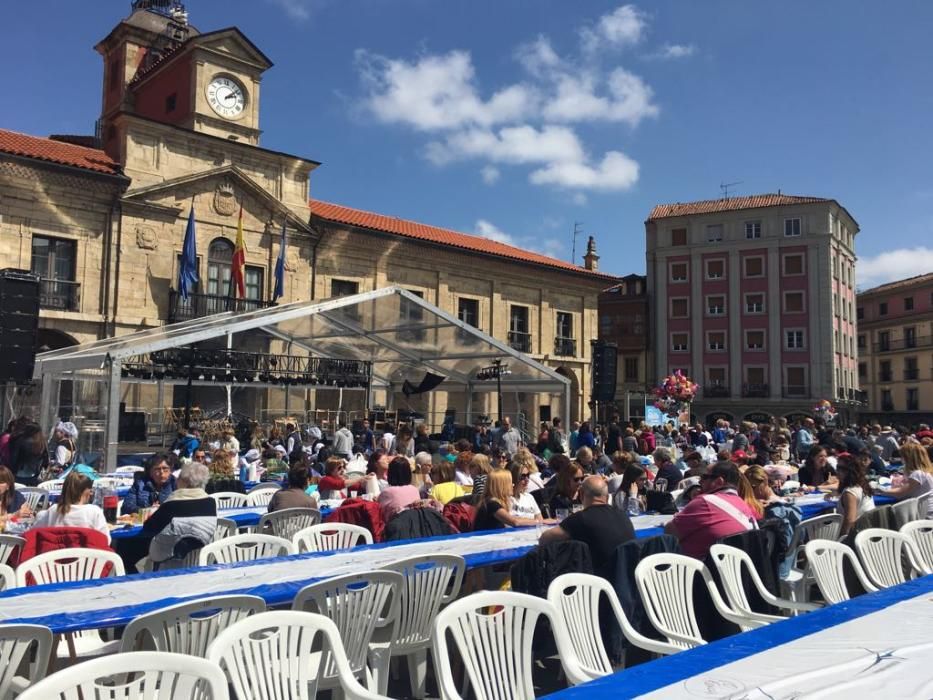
{"x":895,"y":341}
{"x":102,"y":219}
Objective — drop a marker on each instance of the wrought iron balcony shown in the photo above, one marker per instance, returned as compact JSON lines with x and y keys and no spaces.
{"x":62,"y":295}
{"x":795,"y":391}
{"x":200,"y":305}
{"x":716,"y":391}
{"x":520,"y":341}
{"x":908,"y":343}
{"x":911,"y":374}
{"x":565,"y":347}
{"x":756,"y":391}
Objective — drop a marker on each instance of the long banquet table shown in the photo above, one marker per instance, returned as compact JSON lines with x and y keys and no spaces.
{"x":111,"y":602}
{"x":243,"y":517}
{"x":875,"y":646}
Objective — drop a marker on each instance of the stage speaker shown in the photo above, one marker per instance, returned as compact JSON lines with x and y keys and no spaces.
{"x":19,"y":324}
{"x":605,"y":361}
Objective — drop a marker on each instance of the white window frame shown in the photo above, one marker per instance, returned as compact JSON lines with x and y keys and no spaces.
{"x":803,"y":306}
{"x":799,"y":227}
{"x":706,"y":272}
{"x":803,"y":265}
{"x":670,"y":308}
{"x":745,"y":274}
{"x":711,"y":229}
{"x":709,"y":343}
{"x":709,"y":311}
{"x":670,"y":271}
{"x":750,"y":233}
{"x":764,"y":303}
{"x":803,"y":339}
{"x":764,"y":340}
{"x":676,"y":347}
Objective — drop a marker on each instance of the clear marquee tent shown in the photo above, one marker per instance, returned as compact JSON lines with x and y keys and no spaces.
{"x":396,"y":330}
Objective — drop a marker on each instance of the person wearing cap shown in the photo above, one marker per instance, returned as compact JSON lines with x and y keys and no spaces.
{"x":229,"y":442}
{"x":689,"y":488}
{"x":888,"y":442}
{"x":65,"y":450}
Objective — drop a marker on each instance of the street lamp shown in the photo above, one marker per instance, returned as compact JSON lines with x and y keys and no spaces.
{"x":496,"y":370}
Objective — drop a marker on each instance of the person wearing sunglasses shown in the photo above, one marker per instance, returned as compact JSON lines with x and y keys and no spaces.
{"x":152,"y":486}
{"x":523,"y":505}
{"x":569,"y":477}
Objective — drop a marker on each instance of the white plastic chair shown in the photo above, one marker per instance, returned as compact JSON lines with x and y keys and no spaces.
{"x":229,"y":499}
{"x":269,"y":656}
{"x":189,"y":628}
{"x":152,"y":675}
{"x":883,"y":554}
{"x":665,"y":583}
{"x":261,"y":494}
{"x":16,"y":642}
{"x":225,"y":528}
{"x":493,"y":632}
{"x":906,"y":511}
{"x":576,"y":598}
{"x":7,"y":581}
{"x":364,"y":607}
{"x":247,"y":547}
{"x":8,"y":545}
{"x":825,"y":559}
{"x":285,"y":523}
{"x":430,"y":582}
{"x":799,"y":581}
{"x":730,"y":562}
{"x":921,"y":534}
{"x":36,"y":497}
{"x":53,"y":485}
{"x":129,"y":469}
{"x":328,"y":537}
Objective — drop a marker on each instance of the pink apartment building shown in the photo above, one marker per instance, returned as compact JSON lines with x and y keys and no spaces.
{"x":754,"y":298}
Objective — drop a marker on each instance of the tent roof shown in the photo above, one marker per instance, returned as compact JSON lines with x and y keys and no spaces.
{"x":399,"y":332}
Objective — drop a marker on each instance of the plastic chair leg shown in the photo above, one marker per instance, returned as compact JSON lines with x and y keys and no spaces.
{"x":377,"y":679}
{"x":418,"y":671}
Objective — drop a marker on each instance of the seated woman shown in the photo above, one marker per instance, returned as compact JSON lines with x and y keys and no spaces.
{"x":333,"y":484}
{"x":295,"y":495}
{"x":816,"y":470}
{"x":11,"y":501}
{"x":855,"y":495}
{"x":73,"y":509}
{"x":184,"y":522}
{"x":630,"y":496}
{"x":774,"y":507}
{"x":493,"y":512}
{"x":399,"y":493}
{"x":223,"y":474}
{"x":919,"y":472}
{"x":378,"y":468}
{"x":568,"y":479}
{"x":445,"y":489}
{"x":522,"y":505}
{"x":152,"y":486}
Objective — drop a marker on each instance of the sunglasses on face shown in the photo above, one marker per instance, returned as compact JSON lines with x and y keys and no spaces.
{"x":578,"y":479}
{"x":524,"y":477}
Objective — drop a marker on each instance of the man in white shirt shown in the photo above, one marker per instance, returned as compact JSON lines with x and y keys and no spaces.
{"x":509,"y":438}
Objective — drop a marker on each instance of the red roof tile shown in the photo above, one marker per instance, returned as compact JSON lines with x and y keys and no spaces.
{"x":712,"y":206}
{"x":57,"y":152}
{"x":915,"y":281}
{"x":434,"y":234}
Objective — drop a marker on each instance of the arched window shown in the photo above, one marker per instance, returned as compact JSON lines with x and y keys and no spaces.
{"x":219,"y":260}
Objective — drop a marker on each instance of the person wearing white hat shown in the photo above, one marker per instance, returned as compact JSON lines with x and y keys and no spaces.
{"x":65,"y":435}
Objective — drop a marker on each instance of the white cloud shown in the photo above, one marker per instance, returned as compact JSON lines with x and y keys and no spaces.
{"x":616,"y":172}
{"x":514,"y":144}
{"x":296,"y":9}
{"x":579,"y":199}
{"x":625,"y":26}
{"x":672,"y":51}
{"x":489,"y":230}
{"x":893,"y":265}
{"x":490,"y":174}
{"x":629,"y":99}
{"x":538,"y":57}
{"x":548,"y":246}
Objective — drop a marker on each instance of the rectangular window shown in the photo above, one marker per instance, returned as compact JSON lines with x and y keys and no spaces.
{"x":716,"y":376}
{"x":468,"y":311}
{"x":253,"y":279}
{"x":716,"y":306}
{"x":754,"y":303}
{"x":54,"y":260}
{"x":170,"y":102}
{"x":564,"y":344}
{"x":884,"y":371}
{"x":791,"y":227}
{"x":887,"y":402}
{"x":564,"y":324}
{"x":679,"y":272}
{"x":910,"y":337}
{"x":793,"y":264}
{"x":860,"y":313}
{"x":861,"y":341}
{"x":911,"y":371}
{"x":519,"y":336}
{"x":411,"y":319}
{"x":680,"y":342}
{"x":679,"y":236}
{"x":752,"y":229}
{"x":714,"y":233}
{"x":715,"y":269}
{"x":884,"y":341}
{"x":344,"y":288}
{"x":755,"y":340}
{"x":755,"y":375}
{"x":913,"y":399}
{"x":794,"y":340}
{"x":754,"y":266}
{"x":631,"y":369}
{"x":908,"y":303}
{"x":716,"y":340}
{"x":883,"y":308}
{"x":796,"y":381}
{"x":793,"y":302}
{"x":862,"y":370}
{"x":679,"y":308}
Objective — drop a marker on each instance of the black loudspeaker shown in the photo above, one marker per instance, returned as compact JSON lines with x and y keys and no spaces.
{"x":605,"y":361}
{"x":19,"y":324}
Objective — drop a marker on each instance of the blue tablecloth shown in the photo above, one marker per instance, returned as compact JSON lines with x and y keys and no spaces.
{"x":244,"y":517}
{"x":811,"y":510}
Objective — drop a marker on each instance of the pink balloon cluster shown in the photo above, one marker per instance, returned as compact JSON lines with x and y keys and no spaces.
{"x":676,"y":387}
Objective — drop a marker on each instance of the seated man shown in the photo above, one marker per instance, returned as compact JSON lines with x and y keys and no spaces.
{"x":716,"y":512}
{"x":153,"y":486}
{"x":599,"y":525}
{"x":294,"y":496}
{"x":184,"y":522}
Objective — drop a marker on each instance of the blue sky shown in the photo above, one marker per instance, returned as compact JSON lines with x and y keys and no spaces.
{"x":516,"y":118}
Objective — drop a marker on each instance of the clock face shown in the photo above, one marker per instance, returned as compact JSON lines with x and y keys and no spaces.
{"x":226,"y":97}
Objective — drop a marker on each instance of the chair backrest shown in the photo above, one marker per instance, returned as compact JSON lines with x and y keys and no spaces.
{"x":327,"y":537}
{"x":575,"y":598}
{"x":883,"y":554}
{"x":129,"y":469}
{"x":665,"y":583}
{"x":225,"y":527}
{"x":286,"y":522}
{"x":7,"y":581}
{"x":9,"y":544}
{"x":358,"y":604}
{"x":261,"y":494}
{"x":822,"y":527}
{"x":143,"y":674}
{"x":53,"y":485}
{"x":430,"y":582}
{"x":729,"y":562}
{"x":493,"y":633}
{"x":282,"y":644}
{"x":229,"y":499}
{"x":247,"y":547}
{"x":37,"y":498}
{"x":921,"y":533}
{"x":72,"y":564}
{"x":906,"y":511}
{"x":825,"y":559}
{"x":16,"y":641}
{"x":189,"y":628}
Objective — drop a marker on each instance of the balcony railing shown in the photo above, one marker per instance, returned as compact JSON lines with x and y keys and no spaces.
{"x":716,"y":391}
{"x":756,"y":391}
{"x":908,"y":343}
{"x":565,"y":347}
{"x":62,"y":295}
{"x":911,"y":374}
{"x":200,"y":305}
{"x":795,"y":391}
{"x":520,"y":341}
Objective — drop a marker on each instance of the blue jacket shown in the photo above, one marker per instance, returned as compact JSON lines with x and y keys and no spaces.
{"x":186,"y":445}
{"x":143,"y":493}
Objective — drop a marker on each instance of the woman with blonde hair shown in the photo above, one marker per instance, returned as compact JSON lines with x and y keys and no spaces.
{"x":493,"y":510}
{"x":73,"y":509}
{"x":919,"y":472}
{"x":223,"y":476}
{"x":479,"y":467}
{"x":525,"y":460}
{"x":774,"y":507}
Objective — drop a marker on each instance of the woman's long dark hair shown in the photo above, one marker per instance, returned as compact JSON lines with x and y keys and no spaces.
{"x":852,"y":473}
{"x":631,"y":474}
{"x":810,"y":463}
{"x":6,"y":477}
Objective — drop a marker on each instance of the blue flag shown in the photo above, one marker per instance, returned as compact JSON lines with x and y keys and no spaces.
{"x":280,"y":267}
{"x":188,"y":269}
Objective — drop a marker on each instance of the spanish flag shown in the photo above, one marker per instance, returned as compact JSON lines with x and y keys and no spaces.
{"x":237,"y":273}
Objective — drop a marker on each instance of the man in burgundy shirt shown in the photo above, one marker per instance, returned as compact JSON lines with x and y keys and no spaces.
{"x":717,"y":512}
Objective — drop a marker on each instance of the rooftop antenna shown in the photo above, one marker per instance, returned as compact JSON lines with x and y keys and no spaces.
{"x":577,"y":230}
{"x":724,"y":186}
